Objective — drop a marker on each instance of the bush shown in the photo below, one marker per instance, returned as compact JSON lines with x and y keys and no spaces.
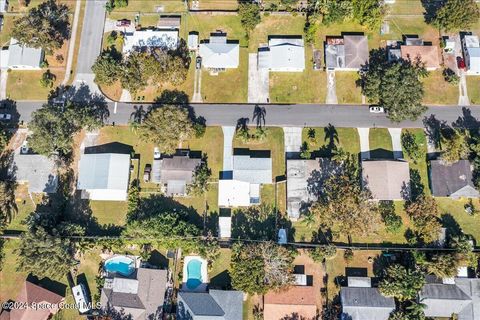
{"x":348,"y":255}
{"x":200,"y":127}
{"x":305,"y":151}
{"x":451,"y":77}
{"x":47,"y":79}
{"x":411,"y":146}
{"x":393,"y":222}
{"x":323,"y":253}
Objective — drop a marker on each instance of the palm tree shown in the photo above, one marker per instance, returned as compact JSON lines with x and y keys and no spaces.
{"x":309,"y":219}
{"x":259,"y":114}
{"x":331,"y":135}
{"x":8,"y":207}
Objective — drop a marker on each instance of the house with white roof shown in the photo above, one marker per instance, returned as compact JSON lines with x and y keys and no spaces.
{"x":283,"y":54}
{"x":20,"y":57}
{"x":150,"y":38}
{"x":219,"y":54}
{"x":104,"y":176}
{"x":241,"y":186}
{"x":471,"y":53}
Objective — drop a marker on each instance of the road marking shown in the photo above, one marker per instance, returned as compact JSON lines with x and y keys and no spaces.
{"x":115,"y":108}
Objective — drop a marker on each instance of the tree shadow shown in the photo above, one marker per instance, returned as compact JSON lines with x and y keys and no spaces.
{"x":431,"y":8}
{"x":255,"y":223}
{"x":433,"y":129}
{"x":158,"y":260}
{"x":331,"y":135}
{"x":467,"y":122}
{"x":449,"y":222}
{"x":259,"y":114}
{"x":49,"y":284}
{"x":417,"y":188}
{"x":9,"y":106}
{"x":174,"y":97}
{"x":112,"y":147}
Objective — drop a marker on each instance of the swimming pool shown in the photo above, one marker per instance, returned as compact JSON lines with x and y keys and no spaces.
{"x":120,"y":264}
{"x":194,"y":274}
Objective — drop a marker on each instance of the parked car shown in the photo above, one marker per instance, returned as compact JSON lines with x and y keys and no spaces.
{"x":376,"y":109}
{"x":156,"y":153}
{"x":198,"y":64}
{"x":123,"y":23}
{"x":24,"y":147}
{"x":460,"y":63}
{"x":147,"y":172}
{"x":5,"y":117}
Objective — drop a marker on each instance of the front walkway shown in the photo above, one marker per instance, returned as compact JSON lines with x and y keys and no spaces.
{"x":3,"y":84}
{"x":331,"y":88}
{"x":463,"y":99}
{"x":396,"y":136}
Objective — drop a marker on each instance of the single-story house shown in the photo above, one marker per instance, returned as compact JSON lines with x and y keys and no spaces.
{"x":218,"y":53}
{"x":174,"y":173}
{"x":104,"y":176}
{"x":452,"y":180}
{"x":283,"y":55}
{"x":140,"y":296}
{"x":38,"y":171}
{"x":386,"y":179}
{"x":20,"y":57}
{"x":471,"y":54}
{"x":444,"y":298}
{"x":348,"y":53}
{"x":361,"y":302}
{"x":169,"y":22}
{"x":34,"y":294}
{"x":150,"y":38}
{"x":415,"y":48}
{"x":304,"y":178}
{"x":242,"y":186}
{"x":297,"y":301}
{"x":212,"y":305}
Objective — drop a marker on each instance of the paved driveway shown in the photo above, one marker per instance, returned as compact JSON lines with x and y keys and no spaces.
{"x":396,"y":136}
{"x":292,"y":140}
{"x":228,"y":133}
{"x":258,"y":81}
{"x":331,"y":88}
{"x":363,"y":134}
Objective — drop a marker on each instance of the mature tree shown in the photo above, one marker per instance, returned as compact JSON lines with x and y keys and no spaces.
{"x":395,"y":85}
{"x":424,"y":215}
{"x":333,"y":11}
{"x":401,"y":283}
{"x":393,"y":222}
{"x":8,"y":207}
{"x":454,"y":146}
{"x":45,"y":26}
{"x":456,"y":15}
{"x":108,"y":67}
{"x":255,"y":223}
{"x":137,"y":69}
{"x":200,"y":179}
{"x":259,"y":267}
{"x":319,"y":254}
{"x":249,"y":15}
{"x":53,"y":126}
{"x":411,"y":145}
{"x":45,"y":255}
{"x":48,"y":79}
{"x":369,"y":13}
{"x":345,"y":206}
{"x":167,"y":126}
{"x":112,"y":4}
{"x":133,"y":201}
{"x":443,"y":265}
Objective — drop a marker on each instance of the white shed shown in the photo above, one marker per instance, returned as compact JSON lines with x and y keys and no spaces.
{"x":225,"y":227}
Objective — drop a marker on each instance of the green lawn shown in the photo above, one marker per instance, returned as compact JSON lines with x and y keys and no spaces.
{"x":219,"y":272}
{"x":438,"y":91}
{"x":380,"y":143}
{"x":473,"y":89}
{"x":345,"y":138}
{"x":406,"y":7}
{"x":206,"y":24}
{"x":347,"y":90}
{"x":8,"y":22}
{"x":25,"y":206}
{"x":228,"y":86}
{"x":25,"y":85}
{"x":148,"y":6}
{"x":309,"y":86}
{"x":218,"y":5}
{"x":421,"y":166}
{"x":109,"y":212}
{"x":454,"y":216}
{"x":276,"y":26}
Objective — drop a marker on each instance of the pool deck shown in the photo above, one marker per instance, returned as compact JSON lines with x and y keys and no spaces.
{"x":204,"y":274}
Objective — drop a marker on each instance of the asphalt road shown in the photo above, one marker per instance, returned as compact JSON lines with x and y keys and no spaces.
{"x":300,"y":115}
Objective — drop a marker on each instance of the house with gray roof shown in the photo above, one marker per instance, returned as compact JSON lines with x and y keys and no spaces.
{"x":212,"y":305}
{"x":362,"y":302}
{"x":452,"y":180}
{"x":174,"y":173}
{"x":386,"y":179}
{"x":241,"y":186}
{"x":219,"y":54}
{"x":347,"y":53}
{"x":141,"y":295}
{"x":20,"y":57}
{"x":283,"y":54}
{"x":445,"y":298}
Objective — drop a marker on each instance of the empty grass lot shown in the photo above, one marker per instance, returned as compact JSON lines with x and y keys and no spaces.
{"x":380,"y":144}
{"x":218,"y":4}
{"x":25,"y":85}
{"x":149,"y":6}
{"x":473,"y":89}
{"x":345,"y":138}
{"x":309,"y":86}
{"x":229,"y":86}
{"x":347,"y":90}
{"x":438,"y":91}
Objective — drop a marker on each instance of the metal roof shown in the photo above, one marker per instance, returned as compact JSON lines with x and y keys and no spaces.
{"x":283,"y":54}
{"x":219,"y":54}
{"x":20,"y":55}
{"x":252,"y":170}
{"x":104,"y":171}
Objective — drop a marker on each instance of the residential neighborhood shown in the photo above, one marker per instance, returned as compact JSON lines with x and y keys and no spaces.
{"x":240,"y":160}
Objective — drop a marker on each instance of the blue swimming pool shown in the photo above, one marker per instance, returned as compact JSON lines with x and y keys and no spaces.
{"x":120,"y":264}
{"x":194,"y":274}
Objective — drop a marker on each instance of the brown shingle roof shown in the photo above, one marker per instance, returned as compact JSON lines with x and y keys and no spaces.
{"x":297,"y":300}
{"x":428,"y":55}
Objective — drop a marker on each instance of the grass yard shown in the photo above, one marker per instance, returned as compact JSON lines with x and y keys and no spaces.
{"x":109,"y":212}
{"x":309,"y":86}
{"x":8,"y":22}
{"x":230,"y":86}
{"x":219,"y":272}
{"x":438,"y":91}
{"x":155,"y":7}
{"x":380,"y":143}
{"x":276,"y":26}
{"x":218,"y":5}
{"x":205,"y":24}
{"x":473,"y":89}
{"x":455,"y":218}
{"x":25,"y":85}
{"x":25,"y":206}
{"x":347,"y":90}
{"x":421,"y":166}
{"x":345,"y":138}
{"x":406,"y":7}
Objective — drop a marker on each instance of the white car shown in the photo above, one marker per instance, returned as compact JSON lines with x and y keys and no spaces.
{"x":5,"y":116}
{"x":376,"y":109}
{"x":156,"y":153}
{"x":24,"y":147}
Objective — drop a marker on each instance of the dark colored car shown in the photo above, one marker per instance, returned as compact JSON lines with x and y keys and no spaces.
{"x":460,"y":63}
{"x":198,"y":63}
